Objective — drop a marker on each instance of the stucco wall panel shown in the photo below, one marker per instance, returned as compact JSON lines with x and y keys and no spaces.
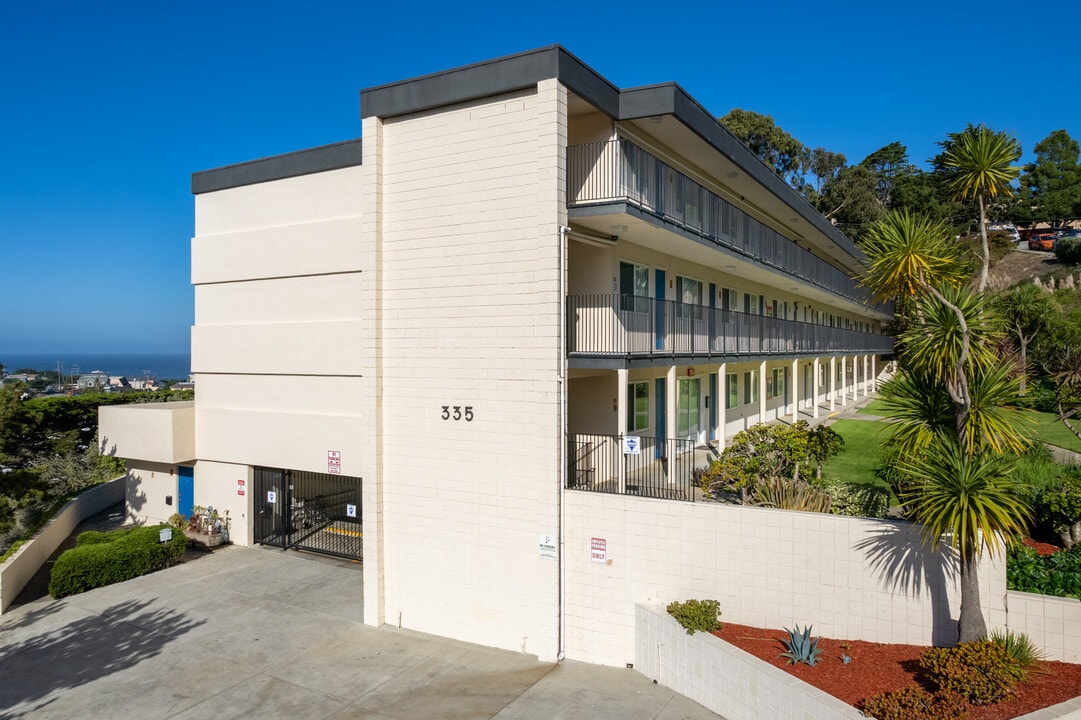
{"x":312,"y":348}
{"x":315,"y":198}
{"x":283,"y":440}
{"x":325,"y":298}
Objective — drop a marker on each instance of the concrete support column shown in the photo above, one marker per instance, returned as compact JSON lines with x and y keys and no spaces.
{"x":670,"y":416}
{"x":795,"y":390}
{"x":874,"y":375}
{"x":844,"y":380}
{"x":721,"y":404}
{"x":814,"y":388}
{"x":855,"y":377}
{"x":762,"y":392}
{"x":833,"y":383}
{"x":622,"y":379}
{"x":866,"y":375}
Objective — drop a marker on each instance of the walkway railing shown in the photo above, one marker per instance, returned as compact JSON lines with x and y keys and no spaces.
{"x":624,"y":326}
{"x":621,"y":171}
{"x":662,"y":467}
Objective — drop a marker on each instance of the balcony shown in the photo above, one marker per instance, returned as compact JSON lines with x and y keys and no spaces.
{"x":620,"y":171}
{"x":625,"y":327}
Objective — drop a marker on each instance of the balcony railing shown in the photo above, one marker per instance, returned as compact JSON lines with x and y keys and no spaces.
{"x":663,"y":467}
{"x":621,"y":171}
{"x":626,"y":326}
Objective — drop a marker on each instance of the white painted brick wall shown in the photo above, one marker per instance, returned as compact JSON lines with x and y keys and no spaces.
{"x":848,"y":577}
{"x":471,"y":203}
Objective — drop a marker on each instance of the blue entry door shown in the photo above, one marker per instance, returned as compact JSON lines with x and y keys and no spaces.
{"x":185,"y":490}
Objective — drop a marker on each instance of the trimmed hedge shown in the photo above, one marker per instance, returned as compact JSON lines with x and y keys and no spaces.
{"x":101,"y":559}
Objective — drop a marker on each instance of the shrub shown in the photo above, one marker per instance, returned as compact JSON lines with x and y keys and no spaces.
{"x":859,"y":500}
{"x":105,"y":558}
{"x":1020,"y":647}
{"x":981,"y":671}
{"x":785,"y":494}
{"x":1058,"y":574}
{"x":1068,"y":250}
{"x":914,"y":703}
{"x":697,"y":615}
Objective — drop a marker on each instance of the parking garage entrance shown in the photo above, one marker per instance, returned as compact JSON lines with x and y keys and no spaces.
{"x":302,"y":510}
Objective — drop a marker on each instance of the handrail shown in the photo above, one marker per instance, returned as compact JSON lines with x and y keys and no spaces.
{"x":625,"y":326}
{"x":622,"y":171}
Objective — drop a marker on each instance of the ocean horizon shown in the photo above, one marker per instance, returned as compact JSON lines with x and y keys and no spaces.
{"x":163,"y":366}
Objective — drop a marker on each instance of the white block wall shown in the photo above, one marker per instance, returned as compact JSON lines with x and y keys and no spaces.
{"x":471,"y":209}
{"x":1052,"y":623}
{"x":729,"y":681}
{"x":848,"y":577}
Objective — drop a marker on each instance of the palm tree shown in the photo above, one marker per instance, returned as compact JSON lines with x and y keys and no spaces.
{"x":981,"y":162}
{"x":951,"y":428}
{"x":1028,"y":309}
{"x":969,"y":498}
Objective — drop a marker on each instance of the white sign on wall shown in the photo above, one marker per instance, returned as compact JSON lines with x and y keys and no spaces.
{"x":334,"y":462}
{"x":271,"y":497}
{"x":598,"y":550}
{"x":546,"y":546}
{"x":350,"y":510}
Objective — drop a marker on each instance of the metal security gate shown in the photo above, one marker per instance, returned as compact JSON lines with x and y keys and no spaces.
{"x":308,"y":511}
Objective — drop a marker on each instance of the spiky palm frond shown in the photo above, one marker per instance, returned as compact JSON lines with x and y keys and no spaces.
{"x":906,"y":252}
{"x":939,"y":341}
{"x":968,"y":498}
{"x":981,"y":159}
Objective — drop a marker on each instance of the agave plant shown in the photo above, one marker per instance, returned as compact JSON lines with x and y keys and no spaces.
{"x":799,"y":647}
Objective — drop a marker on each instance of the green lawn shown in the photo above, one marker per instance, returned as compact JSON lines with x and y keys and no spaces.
{"x":1050,"y":430}
{"x":875,"y":407}
{"x":863,"y":449}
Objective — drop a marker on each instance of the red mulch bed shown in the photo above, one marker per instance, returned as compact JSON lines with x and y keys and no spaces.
{"x":878,"y":668}
{"x":1041,"y":547}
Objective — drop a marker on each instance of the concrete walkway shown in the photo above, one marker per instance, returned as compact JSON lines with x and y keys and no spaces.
{"x":257,"y":633}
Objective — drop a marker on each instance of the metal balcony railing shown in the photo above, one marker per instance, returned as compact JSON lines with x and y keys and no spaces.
{"x":663,"y":467}
{"x":621,"y":171}
{"x":628,"y":326}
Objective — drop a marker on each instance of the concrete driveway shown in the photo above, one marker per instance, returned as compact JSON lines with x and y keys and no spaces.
{"x":257,"y":633}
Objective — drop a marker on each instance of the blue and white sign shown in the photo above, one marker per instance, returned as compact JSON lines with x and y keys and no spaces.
{"x":632,"y":445}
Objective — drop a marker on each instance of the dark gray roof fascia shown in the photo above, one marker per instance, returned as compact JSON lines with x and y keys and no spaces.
{"x":302,"y":162}
{"x":488,"y":78}
{"x":671,"y":99}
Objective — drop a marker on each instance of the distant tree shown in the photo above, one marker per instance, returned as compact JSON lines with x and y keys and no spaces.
{"x":979,"y":161}
{"x":823,"y":166}
{"x":850,"y":200}
{"x":1051,"y":186}
{"x":1028,"y":309}
{"x":823,"y":443}
{"x":781,"y":152}
{"x":888,"y":163}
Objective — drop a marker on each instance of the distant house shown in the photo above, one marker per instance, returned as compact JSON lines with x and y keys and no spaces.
{"x":93,"y":379}
{"x":119,"y":382}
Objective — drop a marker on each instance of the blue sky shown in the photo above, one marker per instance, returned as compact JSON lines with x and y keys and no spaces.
{"x":109,"y":107}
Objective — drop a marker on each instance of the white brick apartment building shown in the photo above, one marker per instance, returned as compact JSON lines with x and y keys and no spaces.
{"x":437,"y":334}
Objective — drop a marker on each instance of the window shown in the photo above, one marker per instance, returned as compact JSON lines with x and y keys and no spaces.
{"x":750,"y":387}
{"x":637,"y":406}
{"x":633,"y":287}
{"x":751,"y":304}
{"x":729,"y":299}
{"x":732,"y":380}
{"x":689,"y":294}
{"x":777,"y":383}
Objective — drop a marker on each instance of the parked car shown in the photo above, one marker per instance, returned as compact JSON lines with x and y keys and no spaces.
{"x":1043,"y":241}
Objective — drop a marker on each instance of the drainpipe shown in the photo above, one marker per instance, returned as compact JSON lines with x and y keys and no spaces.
{"x":563,"y":230}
